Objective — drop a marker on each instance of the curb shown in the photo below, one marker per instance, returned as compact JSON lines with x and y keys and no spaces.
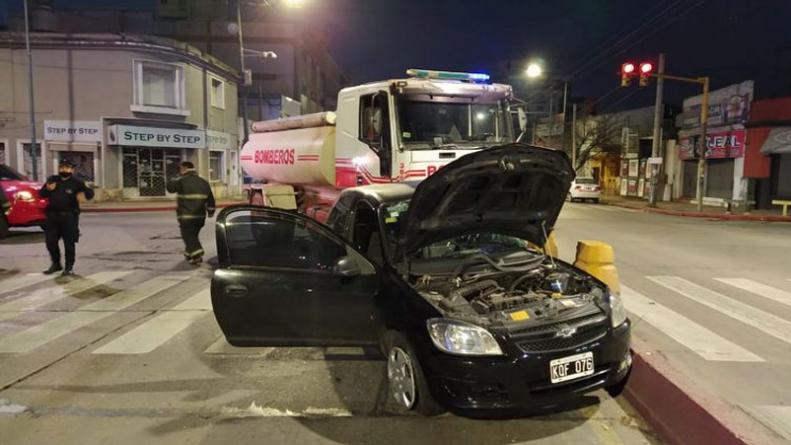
{"x":145,"y":209}
{"x":707,"y":215}
{"x":682,"y":413}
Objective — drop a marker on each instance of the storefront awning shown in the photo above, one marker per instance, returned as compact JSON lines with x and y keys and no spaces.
{"x":779,"y":141}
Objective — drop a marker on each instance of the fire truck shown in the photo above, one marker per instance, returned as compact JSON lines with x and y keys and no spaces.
{"x":398,"y":130}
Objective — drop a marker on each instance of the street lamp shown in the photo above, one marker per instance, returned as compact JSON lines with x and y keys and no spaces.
{"x":534,"y":70}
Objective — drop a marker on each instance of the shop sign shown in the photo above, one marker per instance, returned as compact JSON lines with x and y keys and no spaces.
{"x":130,"y":135}
{"x":217,"y":140}
{"x":719,"y":145}
{"x":727,"y":106}
{"x":73,"y":131}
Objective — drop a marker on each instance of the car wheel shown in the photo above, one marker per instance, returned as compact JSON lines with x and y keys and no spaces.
{"x":406,"y":382}
{"x":3,"y":226}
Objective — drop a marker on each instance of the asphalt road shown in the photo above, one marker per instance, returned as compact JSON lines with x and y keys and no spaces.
{"x":714,"y":297}
{"x":129,"y":352}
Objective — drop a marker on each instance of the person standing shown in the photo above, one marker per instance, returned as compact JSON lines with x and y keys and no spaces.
{"x":64,"y":192}
{"x":195,"y":201}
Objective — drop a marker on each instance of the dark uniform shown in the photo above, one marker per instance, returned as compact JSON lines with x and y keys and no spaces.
{"x":5,"y":206}
{"x":62,"y":217}
{"x":195,"y":201}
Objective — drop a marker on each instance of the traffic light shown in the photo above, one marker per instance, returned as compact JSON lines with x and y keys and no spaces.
{"x":627,"y":71}
{"x":646,"y":68}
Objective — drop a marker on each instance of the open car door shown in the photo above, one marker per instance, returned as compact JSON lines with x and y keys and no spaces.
{"x":286,"y":280}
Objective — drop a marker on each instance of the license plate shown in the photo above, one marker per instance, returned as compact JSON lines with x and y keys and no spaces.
{"x":571,"y":367}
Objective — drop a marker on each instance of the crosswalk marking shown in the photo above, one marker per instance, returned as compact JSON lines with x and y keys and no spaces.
{"x":221,"y":346}
{"x":756,"y":288}
{"x":38,"y":335}
{"x":48,"y":295}
{"x":26,"y":280}
{"x":702,"y":341}
{"x":158,"y":330}
{"x":776,"y":418}
{"x":763,"y":321}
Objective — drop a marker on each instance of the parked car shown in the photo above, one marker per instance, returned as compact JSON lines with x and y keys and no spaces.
{"x":445,"y":278}
{"x":584,"y":189}
{"x":27,"y":207}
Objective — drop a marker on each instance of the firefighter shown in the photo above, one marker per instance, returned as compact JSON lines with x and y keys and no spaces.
{"x":195,"y":202}
{"x":65,"y":192}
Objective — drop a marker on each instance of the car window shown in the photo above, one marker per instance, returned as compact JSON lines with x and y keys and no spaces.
{"x":9,"y":174}
{"x":340,"y":216}
{"x":264,"y":239}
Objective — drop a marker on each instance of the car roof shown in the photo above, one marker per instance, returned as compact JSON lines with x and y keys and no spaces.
{"x":383,"y":193}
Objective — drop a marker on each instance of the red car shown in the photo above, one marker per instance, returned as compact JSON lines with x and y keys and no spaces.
{"x":27,"y":208}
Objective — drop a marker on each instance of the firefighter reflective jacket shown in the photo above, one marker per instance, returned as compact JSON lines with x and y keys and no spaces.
{"x":195,"y":199}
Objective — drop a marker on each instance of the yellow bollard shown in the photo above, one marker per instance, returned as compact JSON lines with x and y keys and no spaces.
{"x":597,"y":258}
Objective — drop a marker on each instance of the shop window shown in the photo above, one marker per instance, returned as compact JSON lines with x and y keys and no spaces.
{"x":159,"y":84}
{"x":217,"y":89}
{"x":216,"y":166}
{"x":28,"y":161}
{"x":130,"y":167}
{"x":2,"y":154}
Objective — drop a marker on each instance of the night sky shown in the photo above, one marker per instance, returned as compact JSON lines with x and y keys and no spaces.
{"x":586,"y":40}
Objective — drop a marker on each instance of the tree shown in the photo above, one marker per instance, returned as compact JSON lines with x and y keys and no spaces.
{"x":597,"y":134}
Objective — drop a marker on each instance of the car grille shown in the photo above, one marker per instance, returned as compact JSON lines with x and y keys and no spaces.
{"x":543,"y":338}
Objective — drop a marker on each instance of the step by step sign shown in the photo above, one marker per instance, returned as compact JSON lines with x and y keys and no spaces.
{"x":131,"y":135}
{"x":73,"y":131}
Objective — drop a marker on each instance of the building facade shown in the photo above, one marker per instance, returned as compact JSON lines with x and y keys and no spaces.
{"x":767,"y":159}
{"x":726,"y":138}
{"x":125,"y":109}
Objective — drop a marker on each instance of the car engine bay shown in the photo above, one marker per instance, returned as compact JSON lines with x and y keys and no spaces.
{"x":491,"y":292}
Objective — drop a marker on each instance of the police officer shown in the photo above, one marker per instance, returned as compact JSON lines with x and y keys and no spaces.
{"x":195,"y":201}
{"x":65,"y":193}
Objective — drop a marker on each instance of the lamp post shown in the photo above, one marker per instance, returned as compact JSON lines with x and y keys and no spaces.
{"x":535,"y":70}
{"x":33,"y":154}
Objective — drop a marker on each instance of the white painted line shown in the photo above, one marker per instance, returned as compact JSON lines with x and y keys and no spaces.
{"x":38,"y":335}
{"x":161,"y":328}
{"x":689,"y":334}
{"x":51,"y":294}
{"x":266,"y":411}
{"x":221,"y":346}
{"x":26,"y":280}
{"x":776,"y":418}
{"x":756,"y":288}
{"x":763,"y":321}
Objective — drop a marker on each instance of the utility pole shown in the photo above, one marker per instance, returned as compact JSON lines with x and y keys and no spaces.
{"x":574,"y":136}
{"x":656,"y":143}
{"x":33,"y":154}
{"x":704,"y":125}
{"x":563,"y":131}
{"x":243,"y":84}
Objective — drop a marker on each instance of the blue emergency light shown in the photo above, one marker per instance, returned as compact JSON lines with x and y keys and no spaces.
{"x":447,"y":75}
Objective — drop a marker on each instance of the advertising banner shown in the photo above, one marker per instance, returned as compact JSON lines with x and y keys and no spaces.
{"x":719,"y":145}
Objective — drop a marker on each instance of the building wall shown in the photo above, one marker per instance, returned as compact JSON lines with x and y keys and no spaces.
{"x":81,"y":84}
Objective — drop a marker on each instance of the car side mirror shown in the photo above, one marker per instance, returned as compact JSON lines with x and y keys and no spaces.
{"x":345,"y":267}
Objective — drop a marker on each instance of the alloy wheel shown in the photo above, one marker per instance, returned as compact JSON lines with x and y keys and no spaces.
{"x":401,"y":377}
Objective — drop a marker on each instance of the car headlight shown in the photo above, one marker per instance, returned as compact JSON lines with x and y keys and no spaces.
{"x":617,"y":310}
{"x":458,"y":337}
{"x":23,"y":195}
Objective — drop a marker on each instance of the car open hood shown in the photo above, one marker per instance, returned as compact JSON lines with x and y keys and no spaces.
{"x":513,"y":189}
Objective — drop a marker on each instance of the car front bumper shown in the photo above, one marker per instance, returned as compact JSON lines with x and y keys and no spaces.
{"x":478,"y":384}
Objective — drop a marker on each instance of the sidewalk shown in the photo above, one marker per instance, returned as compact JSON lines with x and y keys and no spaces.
{"x":155,"y":205}
{"x":688,"y":209}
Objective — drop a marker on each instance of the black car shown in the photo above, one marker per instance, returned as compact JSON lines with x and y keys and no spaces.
{"x":448,"y":278}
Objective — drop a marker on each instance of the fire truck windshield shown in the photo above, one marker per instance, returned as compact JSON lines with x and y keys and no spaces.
{"x":428,"y":125}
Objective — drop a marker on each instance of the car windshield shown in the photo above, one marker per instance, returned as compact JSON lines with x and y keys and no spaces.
{"x":9,"y":174}
{"x":458,"y":247}
{"x":427,"y":125}
{"x":585,"y":181}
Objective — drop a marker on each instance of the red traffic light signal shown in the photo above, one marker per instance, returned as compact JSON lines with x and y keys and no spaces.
{"x":646,"y":68}
{"x":627,"y":70}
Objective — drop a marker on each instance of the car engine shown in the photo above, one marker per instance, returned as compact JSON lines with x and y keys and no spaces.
{"x":545,"y":292}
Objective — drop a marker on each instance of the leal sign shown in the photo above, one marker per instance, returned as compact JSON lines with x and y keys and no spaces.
{"x":73,"y":131}
{"x":155,"y":137}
